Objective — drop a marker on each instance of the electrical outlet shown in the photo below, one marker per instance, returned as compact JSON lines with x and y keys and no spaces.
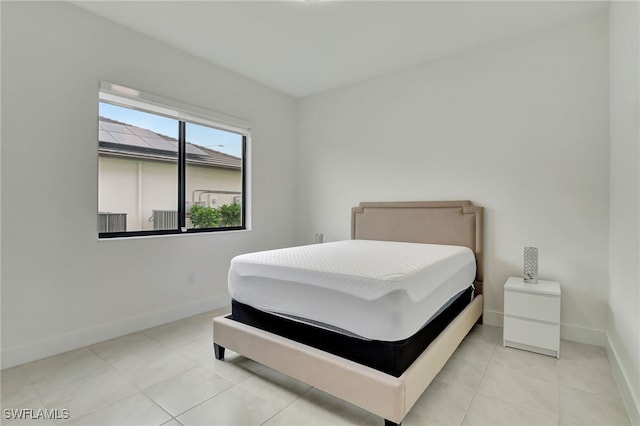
{"x":318,"y":238}
{"x":191,"y":278}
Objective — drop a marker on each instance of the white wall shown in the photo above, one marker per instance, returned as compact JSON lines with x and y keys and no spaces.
{"x":520,"y":127}
{"x":61,"y":287}
{"x":624,"y":209}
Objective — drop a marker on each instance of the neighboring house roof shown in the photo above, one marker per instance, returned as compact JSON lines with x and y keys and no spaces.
{"x":124,"y":140}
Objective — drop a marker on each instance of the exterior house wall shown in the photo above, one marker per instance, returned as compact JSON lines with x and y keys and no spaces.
{"x":137,"y":187}
{"x":214,"y":179}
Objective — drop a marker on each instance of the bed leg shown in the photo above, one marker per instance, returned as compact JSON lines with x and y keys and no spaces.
{"x":390,"y":423}
{"x":218,"y":351}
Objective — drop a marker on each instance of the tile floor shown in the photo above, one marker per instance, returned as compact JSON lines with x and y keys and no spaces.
{"x":167,"y":375}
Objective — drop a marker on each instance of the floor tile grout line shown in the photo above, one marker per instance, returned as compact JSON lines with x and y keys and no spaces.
{"x":122,"y":373}
{"x":512,"y":403}
{"x":142,"y":388}
{"x":100,"y":407}
{"x":594,"y":394}
{"x":35,"y":392}
{"x":206,"y":400}
{"x":518,"y":406}
{"x":475,"y":390}
{"x":555,"y":382}
{"x":138,"y":388}
{"x":190,"y":408}
{"x":163,"y":343}
{"x":251,"y":374}
{"x":285,"y":407}
{"x":158,"y":405}
{"x":259,"y":396}
{"x":30,"y":383}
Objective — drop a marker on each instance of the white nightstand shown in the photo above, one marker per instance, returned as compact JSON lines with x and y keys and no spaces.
{"x":532,"y":316}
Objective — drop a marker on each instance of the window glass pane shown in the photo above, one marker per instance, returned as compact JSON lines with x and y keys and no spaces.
{"x":138,"y":170}
{"x":213,"y":177}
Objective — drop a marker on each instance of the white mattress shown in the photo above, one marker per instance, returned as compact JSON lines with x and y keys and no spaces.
{"x":374,"y":289}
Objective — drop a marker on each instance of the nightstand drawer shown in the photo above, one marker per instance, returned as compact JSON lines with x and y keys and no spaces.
{"x":532,"y":333}
{"x":541,"y":307}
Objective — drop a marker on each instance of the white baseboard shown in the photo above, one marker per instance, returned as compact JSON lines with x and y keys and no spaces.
{"x":78,"y":339}
{"x":589,"y":336}
{"x":493,"y":318}
{"x":629,"y":398}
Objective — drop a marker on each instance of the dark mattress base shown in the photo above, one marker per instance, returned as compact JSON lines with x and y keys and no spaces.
{"x":389,"y":357}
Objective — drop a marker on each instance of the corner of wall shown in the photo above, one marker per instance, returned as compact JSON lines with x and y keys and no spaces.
{"x":623,"y":341}
{"x":622,"y":377}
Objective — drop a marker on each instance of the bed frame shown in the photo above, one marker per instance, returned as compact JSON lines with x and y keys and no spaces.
{"x":435,"y":222}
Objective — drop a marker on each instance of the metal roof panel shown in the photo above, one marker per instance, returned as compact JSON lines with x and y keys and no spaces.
{"x":130,"y":139}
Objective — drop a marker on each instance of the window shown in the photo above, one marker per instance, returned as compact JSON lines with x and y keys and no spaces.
{"x":167,"y":168}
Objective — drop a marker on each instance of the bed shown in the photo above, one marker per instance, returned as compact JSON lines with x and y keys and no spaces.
{"x":389,"y":384}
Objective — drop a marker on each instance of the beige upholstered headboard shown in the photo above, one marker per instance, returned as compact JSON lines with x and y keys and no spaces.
{"x":434,"y":222}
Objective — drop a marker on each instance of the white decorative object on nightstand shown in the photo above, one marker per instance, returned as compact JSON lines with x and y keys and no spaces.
{"x":532,"y":316}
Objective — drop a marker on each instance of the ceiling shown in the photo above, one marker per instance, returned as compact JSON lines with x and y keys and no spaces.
{"x":305,"y":47}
